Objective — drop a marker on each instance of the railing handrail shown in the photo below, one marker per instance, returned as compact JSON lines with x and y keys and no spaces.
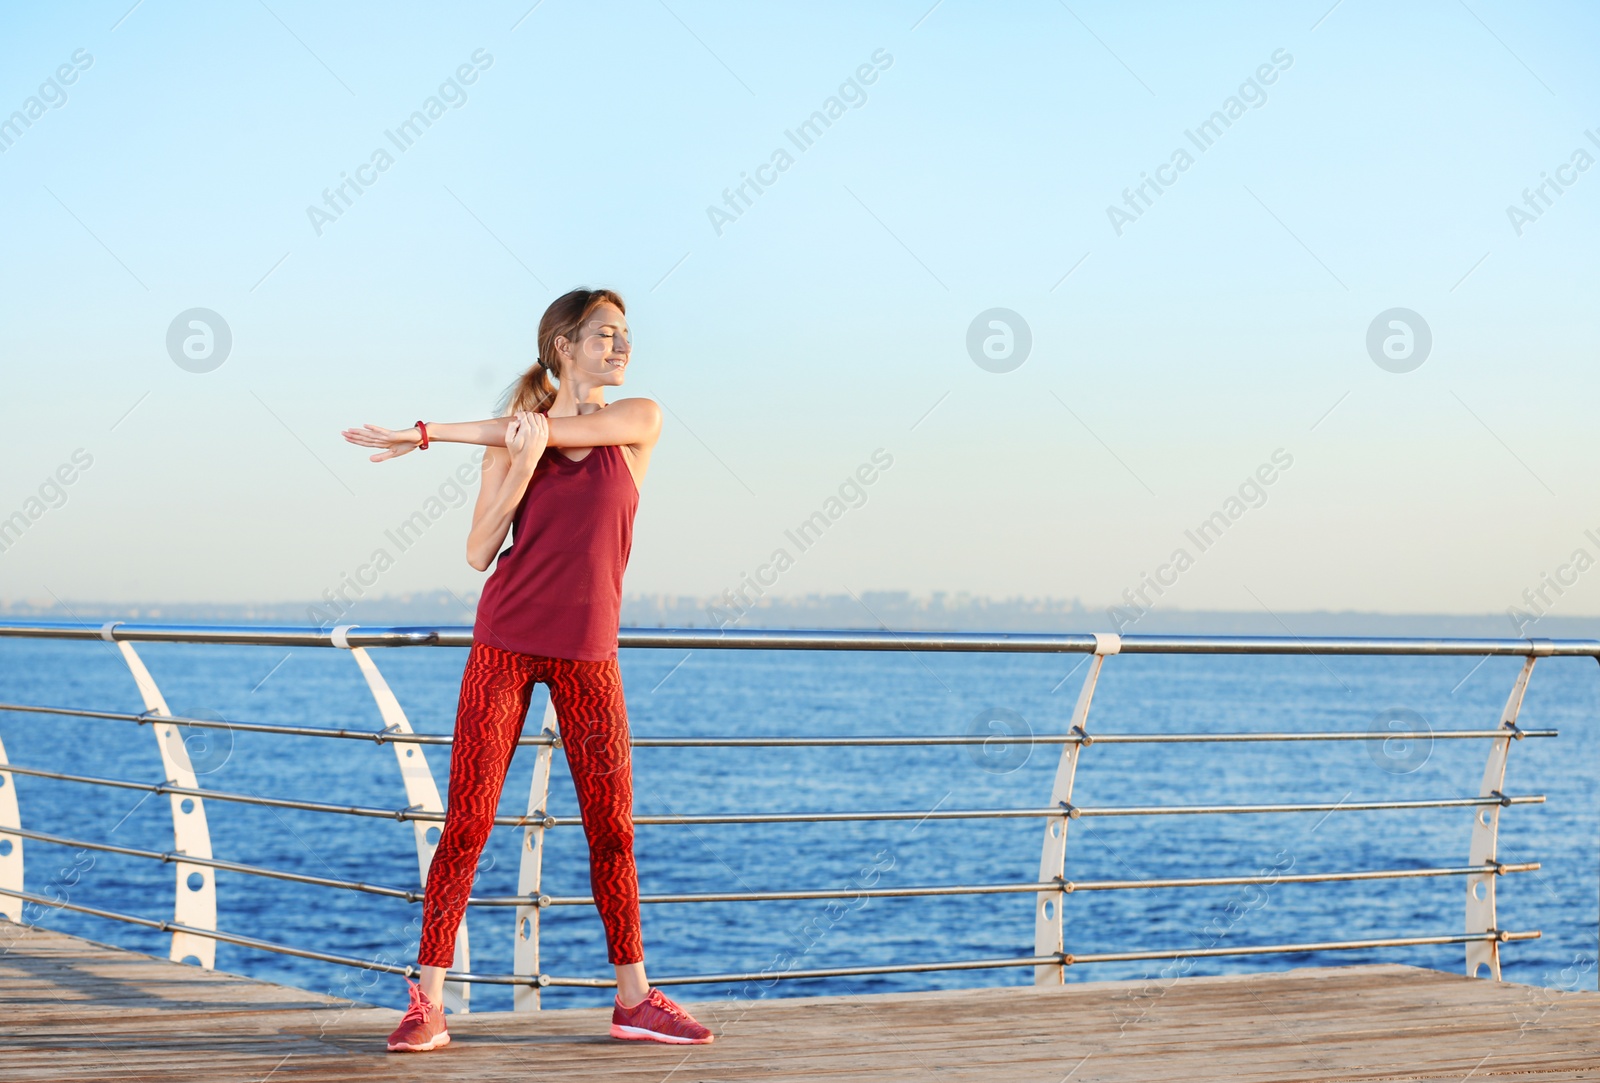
{"x":1070,"y":887}
{"x":1060,"y":958}
{"x":919,"y":740}
{"x":407,"y":815}
{"x":807,"y":639}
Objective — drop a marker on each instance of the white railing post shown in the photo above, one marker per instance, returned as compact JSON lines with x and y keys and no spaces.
{"x":1481,"y":916}
{"x":525,"y":953}
{"x":422,"y":795}
{"x":10,"y":845}
{"x":1048,"y":929}
{"x":195,"y":903}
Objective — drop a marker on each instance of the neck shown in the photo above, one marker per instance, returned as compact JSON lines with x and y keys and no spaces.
{"x":576,"y":395}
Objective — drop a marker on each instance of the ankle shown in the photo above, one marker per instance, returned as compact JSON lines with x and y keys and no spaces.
{"x":634,"y":1001}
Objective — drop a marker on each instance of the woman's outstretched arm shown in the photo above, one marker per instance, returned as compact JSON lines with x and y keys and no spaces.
{"x":635,"y":422}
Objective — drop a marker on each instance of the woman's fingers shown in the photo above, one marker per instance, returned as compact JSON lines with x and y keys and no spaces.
{"x":370,"y":435}
{"x":524,"y":438}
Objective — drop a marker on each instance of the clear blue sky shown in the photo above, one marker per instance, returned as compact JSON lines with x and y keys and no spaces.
{"x":1229,"y":320}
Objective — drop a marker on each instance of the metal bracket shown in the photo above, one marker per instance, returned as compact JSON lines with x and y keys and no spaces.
{"x":10,"y":862}
{"x":1048,"y":936}
{"x":525,"y":949}
{"x":1480,"y":916}
{"x":422,"y":795}
{"x":196,"y":899}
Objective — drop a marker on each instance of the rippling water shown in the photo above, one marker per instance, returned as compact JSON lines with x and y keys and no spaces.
{"x":801,"y":693}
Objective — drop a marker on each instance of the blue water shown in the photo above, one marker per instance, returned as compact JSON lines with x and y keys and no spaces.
{"x":800,"y":693}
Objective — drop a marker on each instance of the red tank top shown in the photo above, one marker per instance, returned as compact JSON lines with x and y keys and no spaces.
{"x":556,"y":591}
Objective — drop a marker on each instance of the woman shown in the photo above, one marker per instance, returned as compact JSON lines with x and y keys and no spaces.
{"x":562,"y":474}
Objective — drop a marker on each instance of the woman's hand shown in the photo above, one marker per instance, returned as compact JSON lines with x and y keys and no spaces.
{"x":395,"y":443}
{"x":526,"y":438}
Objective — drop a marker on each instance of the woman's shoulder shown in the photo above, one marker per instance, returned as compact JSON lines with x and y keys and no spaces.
{"x":642,"y":403}
{"x":644,"y":412}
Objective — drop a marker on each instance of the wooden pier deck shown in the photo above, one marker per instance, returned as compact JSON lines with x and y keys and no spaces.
{"x":74,"y":1010}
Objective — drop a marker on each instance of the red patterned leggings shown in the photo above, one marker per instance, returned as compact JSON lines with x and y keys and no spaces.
{"x":496,"y":688}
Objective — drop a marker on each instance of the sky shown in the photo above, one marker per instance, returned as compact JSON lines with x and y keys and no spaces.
{"x":1338,"y":323}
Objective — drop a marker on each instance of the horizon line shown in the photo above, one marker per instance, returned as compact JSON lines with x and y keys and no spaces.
{"x":960,"y":598}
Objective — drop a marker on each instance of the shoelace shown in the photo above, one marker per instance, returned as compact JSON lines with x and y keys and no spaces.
{"x":668,"y":1006}
{"x":418,"y":1010}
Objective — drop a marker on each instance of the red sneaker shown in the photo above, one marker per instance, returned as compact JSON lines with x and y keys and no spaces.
{"x":657,"y":1019}
{"x":422,"y":1027}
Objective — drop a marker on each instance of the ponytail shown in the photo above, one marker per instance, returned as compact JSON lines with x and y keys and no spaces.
{"x":534,"y":390}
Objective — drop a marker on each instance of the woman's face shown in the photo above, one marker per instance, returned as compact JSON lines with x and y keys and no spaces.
{"x":602,"y":347}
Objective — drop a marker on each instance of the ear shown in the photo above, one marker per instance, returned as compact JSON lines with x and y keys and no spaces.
{"x":563,"y":348}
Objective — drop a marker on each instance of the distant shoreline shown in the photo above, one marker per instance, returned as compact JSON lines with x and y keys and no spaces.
{"x":898,"y":610}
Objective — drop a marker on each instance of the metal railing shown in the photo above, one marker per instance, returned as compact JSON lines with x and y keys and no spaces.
{"x":193,"y":924}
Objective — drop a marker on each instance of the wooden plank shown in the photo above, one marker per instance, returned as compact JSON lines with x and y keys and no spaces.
{"x":76,"y":1010}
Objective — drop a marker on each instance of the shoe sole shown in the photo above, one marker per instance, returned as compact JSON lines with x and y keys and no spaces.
{"x":640,"y":1034}
{"x":437,"y":1042}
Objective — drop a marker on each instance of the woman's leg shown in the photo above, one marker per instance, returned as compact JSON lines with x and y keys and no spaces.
{"x":496,"y":687}
{"x":594,"y":733}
